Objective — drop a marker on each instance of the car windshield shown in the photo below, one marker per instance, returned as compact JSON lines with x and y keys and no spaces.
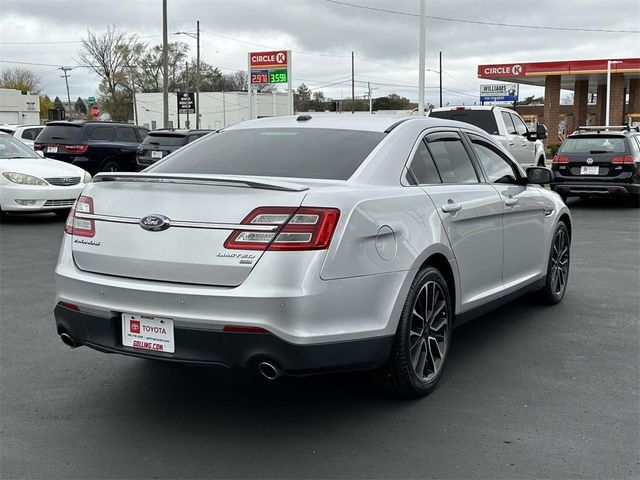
{"x":483,"y":119}
{"x":165,"y":140}
{"x":275,"y":152}
{"x":57,"y":133}
{"x":12,"y":148}
{"x":593,"y":144}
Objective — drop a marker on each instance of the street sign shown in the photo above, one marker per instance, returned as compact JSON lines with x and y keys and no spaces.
{"x":499,"y":92}
{"x":91,"y":100}
{"x":275,"y":59}
{"x":95,"y":110}
{"x":186,"y":102}
{"x":268,"y":68}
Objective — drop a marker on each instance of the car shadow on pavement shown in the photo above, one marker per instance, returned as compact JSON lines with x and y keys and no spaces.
{"x":32,"y":218}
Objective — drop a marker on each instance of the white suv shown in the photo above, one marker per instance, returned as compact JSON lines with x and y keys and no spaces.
{"x":505,"y":126}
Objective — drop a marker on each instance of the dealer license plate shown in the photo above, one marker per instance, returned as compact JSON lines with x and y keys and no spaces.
{"x":52,"y":149}
{"x":589,"y":170}
{"x":156,"y":154}
{"x":148,"y":333}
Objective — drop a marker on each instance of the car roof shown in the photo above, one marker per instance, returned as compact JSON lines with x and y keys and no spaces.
{"x":609,"y":133}
{"x":469,"y":107}
{"x":176,"y":132}
{"x":345,"y":121}
{"x":80,"y":123}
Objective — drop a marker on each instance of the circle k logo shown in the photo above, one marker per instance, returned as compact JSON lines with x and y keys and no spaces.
{"x":516,"y":69}
{"x":281,"y":57}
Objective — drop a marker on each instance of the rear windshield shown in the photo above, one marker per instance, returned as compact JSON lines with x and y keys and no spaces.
{"x":275,"y":152}
{"x":483,"y":119}
{"x":60,"y":134}
{"x":165,"y":140}
{"x":593,"y":144}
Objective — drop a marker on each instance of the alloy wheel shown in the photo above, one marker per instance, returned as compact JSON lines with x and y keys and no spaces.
{"x":560,"y":262}
{"x":429,"y":332}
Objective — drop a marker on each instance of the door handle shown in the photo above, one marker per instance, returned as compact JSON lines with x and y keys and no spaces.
{"x":511,"y":202}
{"x":451,"y":207}
{"x":511,"y":144}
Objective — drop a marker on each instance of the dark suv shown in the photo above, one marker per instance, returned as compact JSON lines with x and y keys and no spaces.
{"x":92,"y":145}
{"x":598,"y":160}
{"x":160,"y":143}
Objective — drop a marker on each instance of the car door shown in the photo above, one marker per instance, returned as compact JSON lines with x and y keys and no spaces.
{"x":513,"y":145}
{"x":127,"y":142}
{"x":528,"y":148}
{"x":523,"y":219}
{"x":471,"y":213}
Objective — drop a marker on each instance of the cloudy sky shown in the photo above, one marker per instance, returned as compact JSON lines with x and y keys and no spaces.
{"x":45,"y":34}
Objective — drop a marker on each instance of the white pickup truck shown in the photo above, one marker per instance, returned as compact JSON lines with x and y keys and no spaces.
{"x":506,"y":126}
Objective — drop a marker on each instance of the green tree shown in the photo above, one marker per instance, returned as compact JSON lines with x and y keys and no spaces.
{"x":45,"y":105}
{"x":302,"y":98}
{"x":391,"y":102}
{"x":57,"y":103}
{"x":80,"y":106}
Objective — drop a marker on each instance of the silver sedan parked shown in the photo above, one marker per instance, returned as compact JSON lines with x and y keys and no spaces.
{"x":298,"y":245}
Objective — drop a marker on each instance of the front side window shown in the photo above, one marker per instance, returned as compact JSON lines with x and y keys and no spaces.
{"x":423,"y":170}
{"x":451,"y":159}
{"x":126,"y":134}
{"x":498,"y":170}
{"x":521,"y":128}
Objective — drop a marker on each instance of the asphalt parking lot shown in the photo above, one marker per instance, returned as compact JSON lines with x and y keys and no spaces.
{"x":529,"y":392}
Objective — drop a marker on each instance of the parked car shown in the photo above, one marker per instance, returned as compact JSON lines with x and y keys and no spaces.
{"x":30,"y":183}
{"x":505,"y":126}
{"x":28,"y":133}
{"x":298,"y":245}
{"x":93,"y":145}
{"x":8,"y":128}
{"x":160,"y":143}
{"x":598,"y":161}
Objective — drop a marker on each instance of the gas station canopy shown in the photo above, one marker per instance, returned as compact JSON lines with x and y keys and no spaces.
{"x":570,"y":71}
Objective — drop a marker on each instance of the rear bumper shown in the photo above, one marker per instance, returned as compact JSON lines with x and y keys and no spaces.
{"x":596,"y":188}
{"x":233,"y":350}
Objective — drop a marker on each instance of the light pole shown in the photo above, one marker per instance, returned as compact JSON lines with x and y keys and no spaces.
{"x":423,"y":13}
{"x":165,"y":67}
{"x":609,"y":63}
{"x":197,"y":37}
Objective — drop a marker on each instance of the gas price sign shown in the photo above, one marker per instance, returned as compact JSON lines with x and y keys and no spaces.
{"x":269,"y":67}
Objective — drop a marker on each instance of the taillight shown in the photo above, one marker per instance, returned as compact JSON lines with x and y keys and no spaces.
{"x":559,"y":159}
{"x":626,"y":159}
{"x":77,"y":148}
{"x":38,"y":146}
{"x":305,"y":228}
{"x":82,"y":227}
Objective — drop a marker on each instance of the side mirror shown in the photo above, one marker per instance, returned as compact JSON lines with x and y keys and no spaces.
{"x":531,"y":136}
{"x":539,"y":175}
{"x":541,"y":131}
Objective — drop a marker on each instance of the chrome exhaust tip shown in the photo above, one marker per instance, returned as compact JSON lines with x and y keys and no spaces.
{"x":67,"y":340}
{"x":269,"y":371}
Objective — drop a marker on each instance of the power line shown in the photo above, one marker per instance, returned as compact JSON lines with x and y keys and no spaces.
{"x":480,"y":22}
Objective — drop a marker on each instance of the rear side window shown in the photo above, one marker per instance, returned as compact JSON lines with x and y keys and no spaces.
{"x":142,"y":132}
{"x":100,"y":133}
{"x":126,"y":134}
{"x":451,"y":159}
{"x":508,"y":123}
{"x":423,"y":170}
{"x":634,"y":142}
{"x":593,"y":144}
{"x":275,"y":152}
{"x":165,"y":140}
{"x":483,"y":119}
{"x":60,"y":134}
{"x":30,"y":133}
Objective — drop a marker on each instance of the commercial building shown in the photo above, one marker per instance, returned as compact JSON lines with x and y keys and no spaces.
{"x":217,"y":109}
{"x":17,"y":107}
{"x":585,"y":78}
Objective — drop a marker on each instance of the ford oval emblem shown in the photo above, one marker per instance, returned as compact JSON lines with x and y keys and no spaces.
{"x":589,"y":161}
{"x":155,"y":223}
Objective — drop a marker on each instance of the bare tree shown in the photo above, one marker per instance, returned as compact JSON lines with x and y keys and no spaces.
{"x":19,"y":79}
{"x":107,"y":55}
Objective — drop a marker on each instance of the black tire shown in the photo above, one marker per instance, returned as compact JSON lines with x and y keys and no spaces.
{"x":110,"y":165}
{"x":398,"y":375}
{"x":552,"y":293}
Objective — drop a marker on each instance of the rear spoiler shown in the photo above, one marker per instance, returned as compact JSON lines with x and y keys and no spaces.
{"x":235,"y":180}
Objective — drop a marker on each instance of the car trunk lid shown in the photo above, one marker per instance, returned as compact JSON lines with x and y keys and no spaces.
{"x":202,"y":210}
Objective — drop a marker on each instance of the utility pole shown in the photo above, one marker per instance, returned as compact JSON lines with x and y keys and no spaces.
{"x":198,"y":74}
{"x":421,"y":66}
{"x":186,"y":89}
{"x":370,"y":102}
{"x":353,"y":90}
{"x":440,"y":72}
{"x":165,"y":67}
{"x":66,"y":81}
{"x":133,"y":93}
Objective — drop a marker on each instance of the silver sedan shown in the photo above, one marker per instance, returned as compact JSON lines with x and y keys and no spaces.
{"x":308,"y":244}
